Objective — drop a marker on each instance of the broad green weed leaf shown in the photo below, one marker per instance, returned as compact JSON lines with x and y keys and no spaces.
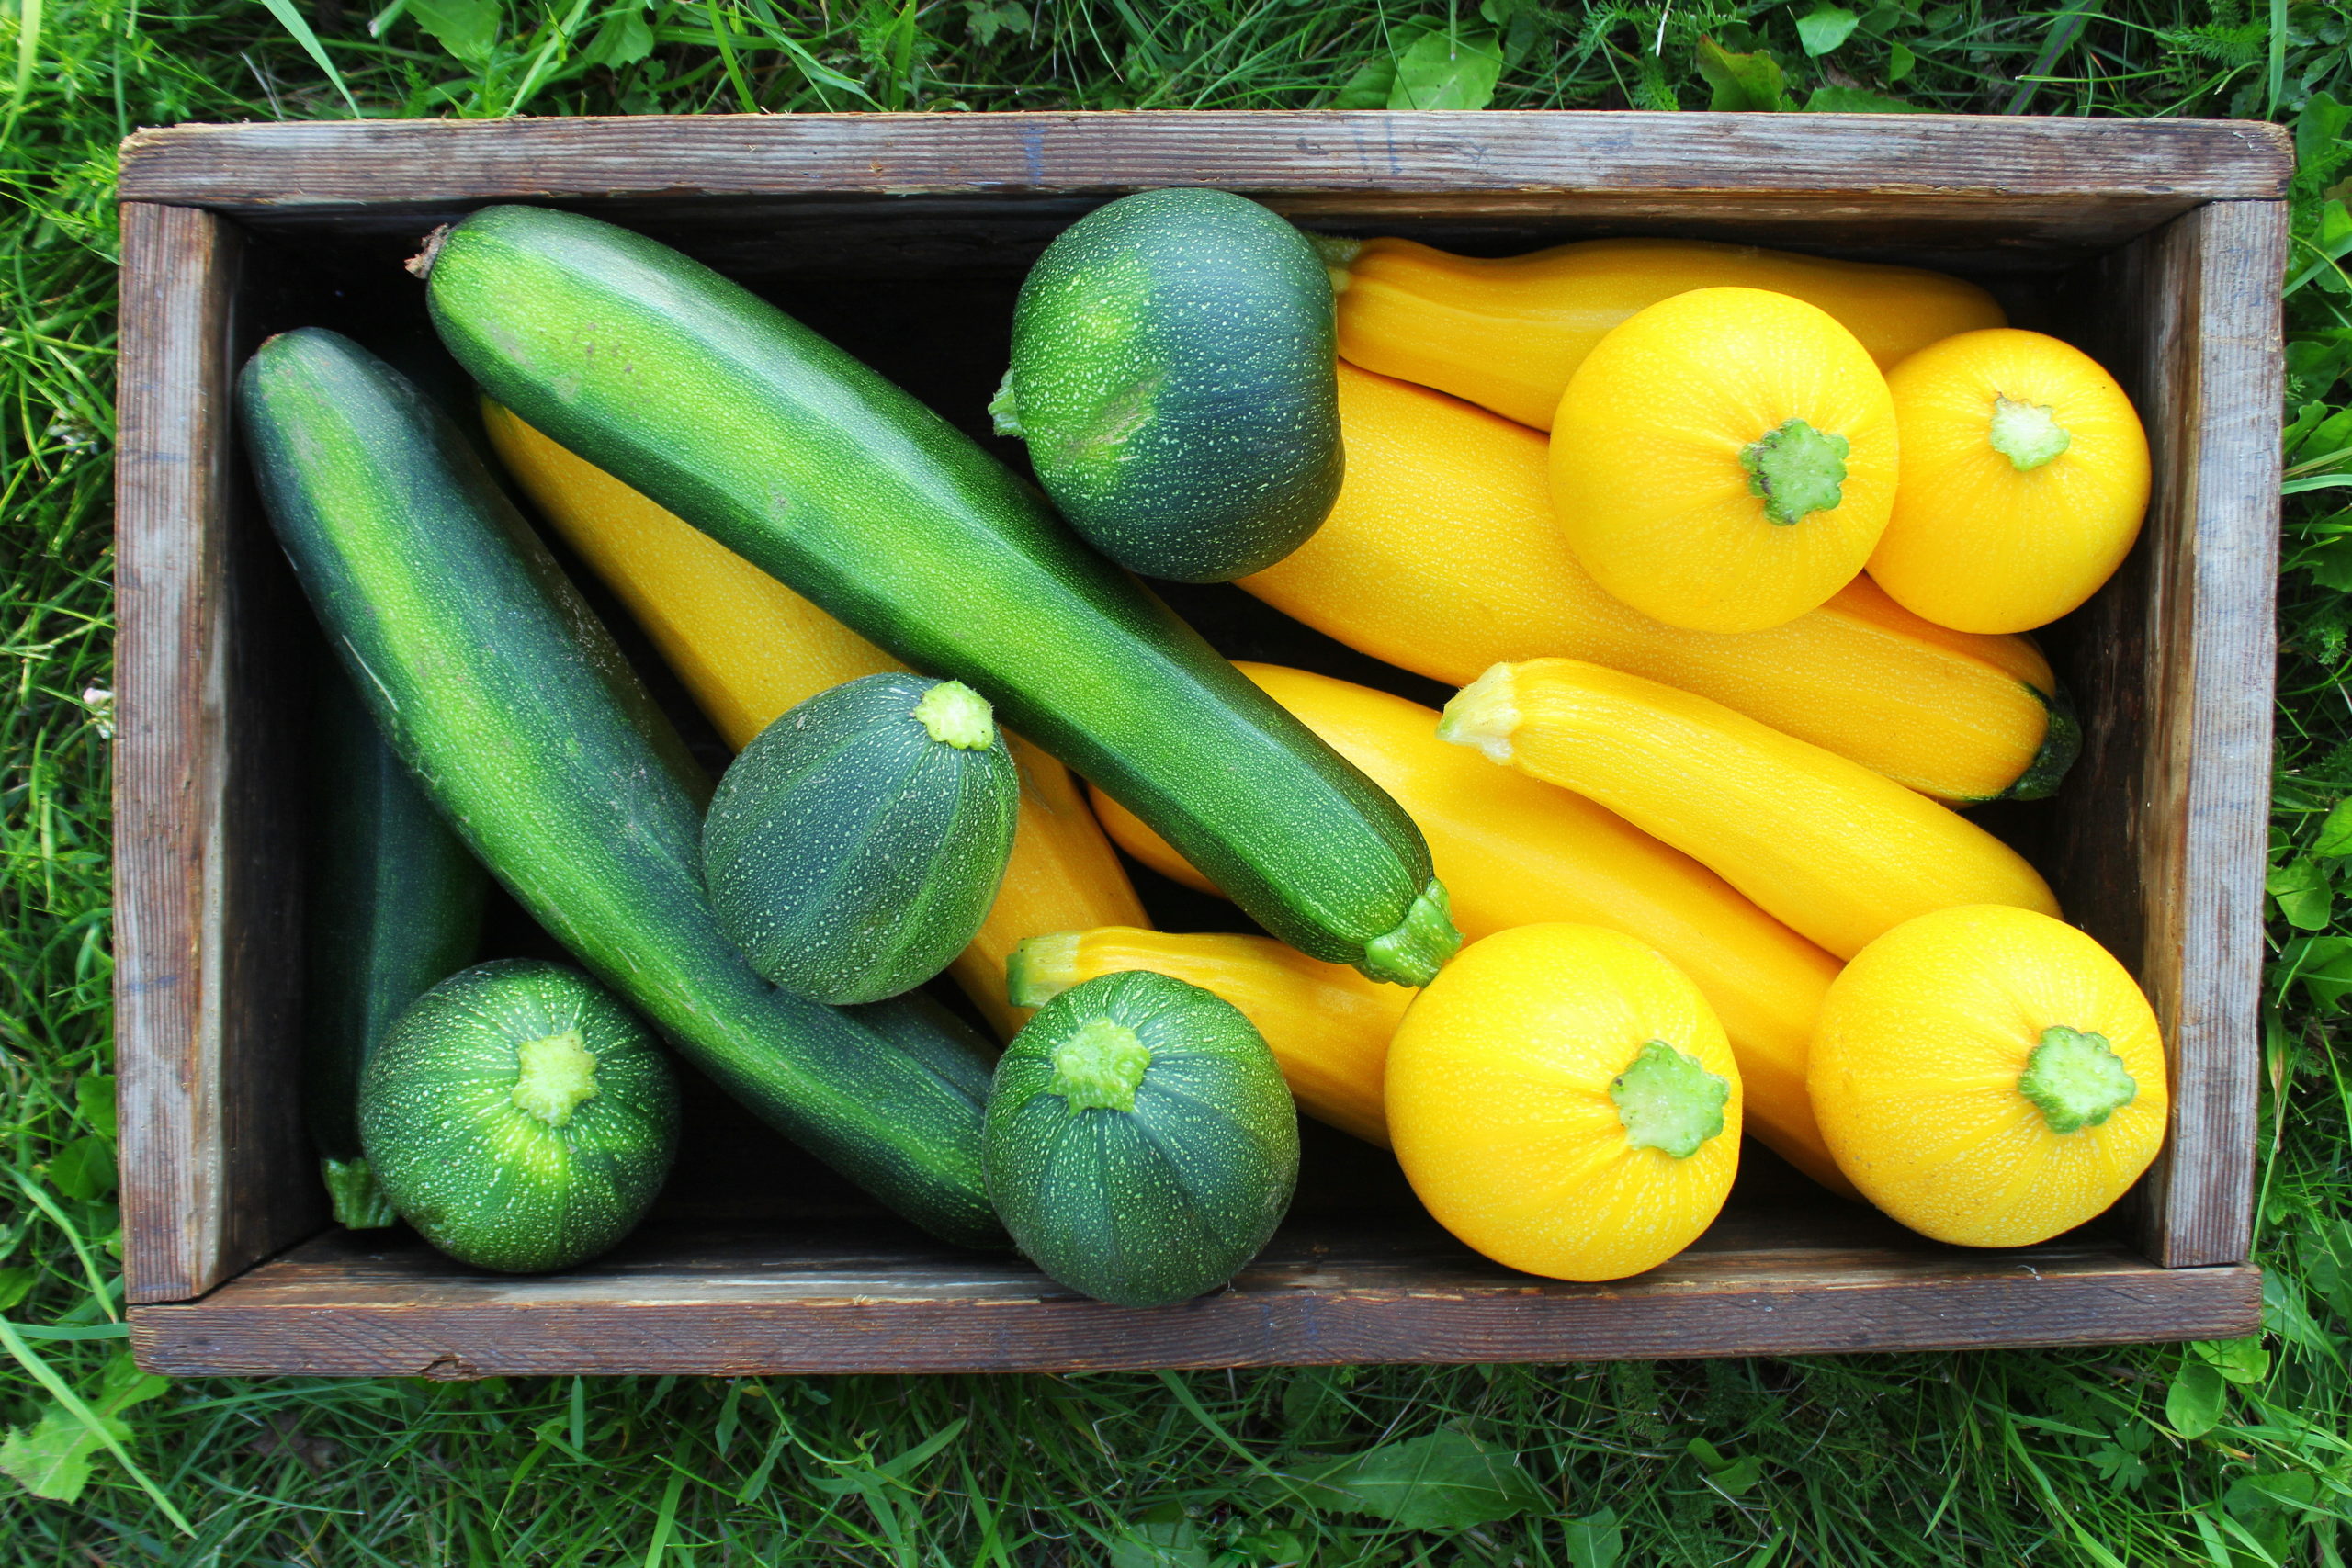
{"x":1900,"y":63}
{"x":467,"y":29}
{"x":1857,"y":100}
{"x":1445,"y":72}
{"x":1370,"y":87}
{"x":1596,"y":1540}
{"x":1161,"y":1538}
{"x":122,"y":1385}
{"x":1743,"y":81}
{"x":1824,"y":27}
{"x":623,"y":38}
{"x":83,"y":1169}
{"x":2334,"y":841}
{"x":1730,"y":1476}
{"x":94,"y":1099}
{"x":2193,"y":1403}
{"x":1448,"y":1480}
{"x":2244,"y":1360}
{"x":2323,"y":964}
{"x":2301,"y":888}
{"x":15,"y":1284}
{"x":51,"y":1458}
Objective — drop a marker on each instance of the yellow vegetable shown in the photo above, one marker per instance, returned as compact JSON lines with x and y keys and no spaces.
{"x":1326,"y":1025}
{"x":1442,"y":556}
{"x":1508,"y":333}
{"x":2025,"y":476}
{"x":1724,"y":461}
{"x":1562,"y":1099}
{"x":1513,"y":852}
{"x":1989,"y":1076}
{"x":747,"y":648}
{"x":1832,"y":850}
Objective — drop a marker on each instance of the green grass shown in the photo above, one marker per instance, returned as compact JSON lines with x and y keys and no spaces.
{"x":2232,"y":1454}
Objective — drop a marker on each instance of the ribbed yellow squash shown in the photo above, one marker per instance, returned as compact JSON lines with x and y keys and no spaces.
{"x":2025,"y":476}
{"x":1506,"y":334}
{"x":1990,"y":1077}
{"x":1835,"y":852}
{"x":1442,"y":556}
{"x":1514,"y":851}
{"x":747,"y":648}
{"x":1562,"y":1099}
{"x":1326,"y":1025}
{"x":1724,"y":460}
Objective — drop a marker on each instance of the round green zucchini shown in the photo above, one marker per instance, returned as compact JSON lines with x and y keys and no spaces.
{"x":1173,"y":373}
{"x":854,"y":847}
{"x":519,"y":1117}
{"x":1140,"y":1145}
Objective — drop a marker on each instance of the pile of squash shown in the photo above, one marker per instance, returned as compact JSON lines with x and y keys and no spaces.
{"x":1728,"y":552}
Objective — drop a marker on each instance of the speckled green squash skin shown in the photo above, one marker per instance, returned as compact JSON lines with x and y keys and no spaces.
{"x":850,"y":855}
{"x":1156,"y":1205}
{"x":393,"y":904}
{"x":797,"y":457}
{"x":481,"y":1177}
{"x":1175,"y":374}
{"x":506,"y":698}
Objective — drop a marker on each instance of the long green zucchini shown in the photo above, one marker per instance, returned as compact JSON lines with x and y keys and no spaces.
{"x":792,"y":453}
{"x":500,"y":688}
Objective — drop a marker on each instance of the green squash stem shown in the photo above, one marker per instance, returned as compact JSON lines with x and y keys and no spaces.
{"x":2076,"y":1079}
{"x":1796,"y":469}
{"x":1667,"y":1100}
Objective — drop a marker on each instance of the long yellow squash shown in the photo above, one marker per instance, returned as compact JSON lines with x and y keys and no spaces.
{"x":1508,"y":332}
{"x":1838,"y":854}
{"x":1442,"y":556}
{"x":1513,"y":852}
{"x":747,"y":649}
{"x":1326,"y":1025}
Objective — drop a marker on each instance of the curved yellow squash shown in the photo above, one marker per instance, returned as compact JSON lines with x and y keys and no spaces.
{"x":1724,"y":460}
{"x":1563,"y":1100}
{"x":1990,"y":1077}
{"x":1506,"y":334}
{"x":747,"y":649}
{"x":1442,"y":556}
{"x":1326,"y":1025}
{"x":2025,"y":476}
{"x":1834,"y":851}
{"x":1514,"y":851}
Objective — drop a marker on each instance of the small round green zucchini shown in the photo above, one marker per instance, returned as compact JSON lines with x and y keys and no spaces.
{"x":855,"y":845}
{"x":1140,"y":1145}
{"x":519,"y":1117}
{"x":1174,"y":375}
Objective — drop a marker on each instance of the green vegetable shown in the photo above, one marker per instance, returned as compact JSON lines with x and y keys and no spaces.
{"x":519,"y":1117}
{"x":1173,"y":372}
{"x":494,"y":682}
{"x":1141,"y":1145}
{"x":392,"y":904}
{"x":757,"y":431}
{"x":855,"y":845}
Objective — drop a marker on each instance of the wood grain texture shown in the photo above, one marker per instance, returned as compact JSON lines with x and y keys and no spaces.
{"x":870,"y":1298}
{"x":212,"y":1172}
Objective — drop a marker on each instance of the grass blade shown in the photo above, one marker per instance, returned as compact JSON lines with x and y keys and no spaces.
{"x":292,"y":21}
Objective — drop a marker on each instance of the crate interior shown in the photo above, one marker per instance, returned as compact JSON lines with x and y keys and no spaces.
{"x":923,"y":289}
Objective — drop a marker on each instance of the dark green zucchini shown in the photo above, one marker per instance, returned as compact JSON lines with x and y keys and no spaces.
{"x":1174,"y":373}
{"x":1141,"y":1144}
{"x":792,"y":453}
{"x":504,"y":694}
{"x":855,"y":846}
{"x":391,"y":904}
{"x":519,"y":1117}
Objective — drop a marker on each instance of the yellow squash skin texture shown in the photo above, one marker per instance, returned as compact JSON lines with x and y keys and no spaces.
{"x":1508,"y":333}
{"x":1978,"y":543}
{"x":1655,"y":459}
{"x":1830,"y":849}
{"x":1514,"y":852}
{"x":1326,"y":1025}
{"x":747,"y":648}
{"x":1915,"y":1074}
{"x":1499,"y":1102}
{"x":1441,"y":557}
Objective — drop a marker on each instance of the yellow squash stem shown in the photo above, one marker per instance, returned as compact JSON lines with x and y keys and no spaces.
{"x":1831,"y":848}
{"x":1326,"y":1025}
{"x":1442,"y":556}
{"x":1514,"y":851}
{"x":747,"y":648}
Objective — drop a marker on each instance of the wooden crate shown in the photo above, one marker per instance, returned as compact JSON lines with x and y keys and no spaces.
{"x":2157,"y":244}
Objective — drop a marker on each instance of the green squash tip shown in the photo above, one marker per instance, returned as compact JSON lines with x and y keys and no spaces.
{"x":1419,"y":947}
{"x":1796,"y":469}
{"x":1004,"y":409}
{"x":1040,"y":967}
{"x":554,"y":1075}
{"x":957,"y":716}
{"x":1667,"y":1100}
{"x":359,"y":1199}
{"x":1099,"y":1066}
{"x":2027,"y":434}
{"x":2076,"y":1079}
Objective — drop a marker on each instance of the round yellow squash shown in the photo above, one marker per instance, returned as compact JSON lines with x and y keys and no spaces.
{"x":1562,"y":1099}
{"x":2024,"y":477}
{"x":1724,"y":460}
{"x":1988,"y":1076}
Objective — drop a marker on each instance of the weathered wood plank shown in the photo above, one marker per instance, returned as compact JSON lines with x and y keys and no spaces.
{"x":850,"y":1300}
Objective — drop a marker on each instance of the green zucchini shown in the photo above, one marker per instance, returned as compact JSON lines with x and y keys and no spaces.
{"x":494,"y":682}
{"x":519,"y":1117}
{"x":1174,"y":373}
{"x":1141,"y":1144}
{"x":792,"y":453}
{"x":391,"y":904}
{"x":855,"y":846}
